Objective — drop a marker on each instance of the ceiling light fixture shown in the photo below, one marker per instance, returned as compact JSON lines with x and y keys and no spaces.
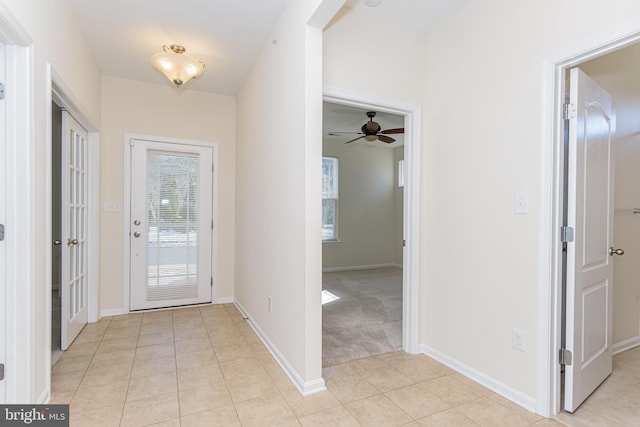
{"x":372,"y":3}
{"x":176,"y":65}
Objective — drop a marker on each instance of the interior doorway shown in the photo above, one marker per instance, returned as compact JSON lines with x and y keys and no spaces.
{"x":410,"y":207}
{"x":614,"y":67}
{"x":362,"y":232}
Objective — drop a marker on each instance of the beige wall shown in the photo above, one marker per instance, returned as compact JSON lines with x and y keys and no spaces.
{"x":57,"y":41}
{"x":278,"y":200}
{"x":619,"y":74}
{"x":366,"y":207}
{"x":159,"y":110}
{"x":483,"y":144}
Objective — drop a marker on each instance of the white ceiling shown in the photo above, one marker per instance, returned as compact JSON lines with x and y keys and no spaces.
{"x":226,"y":35}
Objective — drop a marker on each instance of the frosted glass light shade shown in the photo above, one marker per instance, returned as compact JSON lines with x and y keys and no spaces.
{"x":178,"y":67}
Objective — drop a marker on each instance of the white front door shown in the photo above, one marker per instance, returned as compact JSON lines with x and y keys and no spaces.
{"x":74,"y":195}
{"x":590,"y":256}
{"x":3,"y":221}
{"x":171,"y":224}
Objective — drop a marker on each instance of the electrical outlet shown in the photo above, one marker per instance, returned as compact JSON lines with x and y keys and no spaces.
{"x":518,"y":339}
{"x":269,"y":303}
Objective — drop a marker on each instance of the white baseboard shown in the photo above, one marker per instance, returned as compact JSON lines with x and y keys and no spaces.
{"x":305,"y":387}
{"x":113,"y":312}
{"x":360,"y":267}
{"x":224,"y":300}
{"x":625,"y":345}
{"x":44,"y":397}
{"x":492,"y":384}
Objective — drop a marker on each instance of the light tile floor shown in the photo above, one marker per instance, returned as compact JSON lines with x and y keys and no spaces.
{"x":616,"y":403}
{"x":205,"y":366}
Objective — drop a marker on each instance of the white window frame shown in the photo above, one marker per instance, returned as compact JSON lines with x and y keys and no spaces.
{"x":334,"y":238}
{"x":401,"y":173}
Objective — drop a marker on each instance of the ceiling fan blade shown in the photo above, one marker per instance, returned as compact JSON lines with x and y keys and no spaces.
{"x":386,"y":139}
{"x":390,"y":131}
{"x":344,"y":133}
{"x":355,"y":139}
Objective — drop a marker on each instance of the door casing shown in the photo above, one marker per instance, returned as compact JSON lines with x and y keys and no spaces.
{"x":126,"y":289}
{"x":550,"y":302}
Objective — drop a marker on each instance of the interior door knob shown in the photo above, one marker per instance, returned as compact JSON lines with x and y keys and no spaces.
{"x":136,"y":234}
{"x":613,"y":251}
{"x":57,"y":243}
{"x":72,"y":242}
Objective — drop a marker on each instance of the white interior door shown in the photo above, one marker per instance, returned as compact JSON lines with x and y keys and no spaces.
{"x":171,"y":224}
{"x":3,"y":218}
{"x":589,"y":258}
{"x":74,"y":194}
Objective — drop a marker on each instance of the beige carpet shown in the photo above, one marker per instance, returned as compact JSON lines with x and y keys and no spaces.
{"x":366,"y":319}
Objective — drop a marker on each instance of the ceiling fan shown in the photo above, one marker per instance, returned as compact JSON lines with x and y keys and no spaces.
{"x":371,"y":131}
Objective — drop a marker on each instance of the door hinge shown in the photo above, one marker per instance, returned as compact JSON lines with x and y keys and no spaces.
{"x":565,"y":357}
{"x":1,"y":371}
{"x":1,"y":91}
{"x":568,"y":111}
{"x":404,"y":243}
{"x":212,"y":282}
{"x":212,"y":224}
{"x":566,"y":234}
{"x":1,"y":232}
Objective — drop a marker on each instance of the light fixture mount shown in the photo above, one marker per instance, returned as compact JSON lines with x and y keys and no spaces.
{"x":177,"y":66}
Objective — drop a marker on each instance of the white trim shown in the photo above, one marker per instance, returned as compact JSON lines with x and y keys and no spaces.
{"x":552,"y":175}
{"x":360,"y":267}
{"x":628,"y":344}
{"x":510,"y":393}
{"x":411,"y":223}
{"x":44,"y":397}
{"x":126,"y":262}
{"x":20,"y":195}
{"x":305,"y":387}
{"x":224,"y":300}
{"x":113,"y":312}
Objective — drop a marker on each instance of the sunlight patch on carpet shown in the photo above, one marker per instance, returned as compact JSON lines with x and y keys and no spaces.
{"x":328,"y":297}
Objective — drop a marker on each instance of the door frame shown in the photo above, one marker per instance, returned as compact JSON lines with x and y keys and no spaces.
{"x":126,"y":262}
{"x":20,"y":261}
{"x":553,"y":175}
{"x":412,"y":201}
{"x":58,"y":92}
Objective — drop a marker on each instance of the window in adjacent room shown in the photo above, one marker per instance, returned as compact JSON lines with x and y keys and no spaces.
{"x":400,"y":173}
{"x":329,"y":199}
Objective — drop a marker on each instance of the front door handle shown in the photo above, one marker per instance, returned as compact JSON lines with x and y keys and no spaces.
{"x":613,"y":251}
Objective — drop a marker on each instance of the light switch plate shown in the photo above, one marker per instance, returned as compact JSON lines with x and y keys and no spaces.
{"x":112,"y":207}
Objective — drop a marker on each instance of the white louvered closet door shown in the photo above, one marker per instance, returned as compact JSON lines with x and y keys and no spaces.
{"x":171,"y":224}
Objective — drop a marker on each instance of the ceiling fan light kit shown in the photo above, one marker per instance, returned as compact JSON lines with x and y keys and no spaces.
{"x":372,"y":131}
{"x":177,"y":66}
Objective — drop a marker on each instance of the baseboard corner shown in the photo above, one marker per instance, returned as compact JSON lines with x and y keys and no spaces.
{"x":304,"y":387}
{"x":504,"y":390}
